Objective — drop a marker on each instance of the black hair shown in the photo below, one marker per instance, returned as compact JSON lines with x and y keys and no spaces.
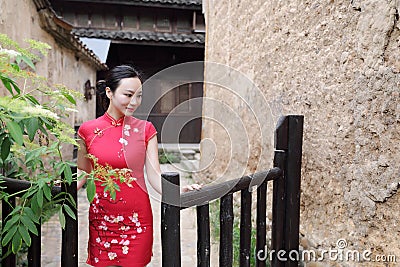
{"x":113,"y":80}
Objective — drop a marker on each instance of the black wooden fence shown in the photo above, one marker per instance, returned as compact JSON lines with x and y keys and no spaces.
{"x":285,"y":208}
{"x":69,"y":244}
{"x":285,"y":211}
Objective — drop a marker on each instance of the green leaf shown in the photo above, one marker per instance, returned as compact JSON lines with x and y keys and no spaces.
{"x":47,"y":191}
{"x":39,"y":196}
{"x":28,"y":211}
{"x":26,"y":59}
{"x":69,"y":211}
{"x":68,"y":173}
{"x":90,"y":190}
{"x":69,"y":97}
{"x":32,"y":125}
{"x":8,"y":236}
{"x":61,"y":217}
{"x":5,"y":148}
{"x":15,"y":132}
{"x":15,"y":67}
{"x":71,"y":200}
{"x":32,"y":99}
{"x":25,"y":235}
{"x":7,"y":84}
{"x":113,"y":195}
{"x":13,"y":220}
{"x":35,"y":207}
{"x":16,"y":88}
{"x":28,"y":222}
{"x":16,"y":242}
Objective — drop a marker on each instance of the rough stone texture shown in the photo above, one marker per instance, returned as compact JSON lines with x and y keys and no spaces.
{"x":338,"y":63}
{"x":20,"y":21}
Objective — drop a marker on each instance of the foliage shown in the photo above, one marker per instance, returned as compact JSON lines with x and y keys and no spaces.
{"x":32,"y":133}
{"x":215,"y":234}
{"x":108,"y":178}
{"x":166,"y":157}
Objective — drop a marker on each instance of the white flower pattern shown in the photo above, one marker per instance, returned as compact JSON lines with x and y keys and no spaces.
{"x":123,"y":141}
{"x":116,"y":233}
{"x":117,"y":246}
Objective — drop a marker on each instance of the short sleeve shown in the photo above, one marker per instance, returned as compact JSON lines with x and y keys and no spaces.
{"x":150,"y":131}
{"x":82,"y":132}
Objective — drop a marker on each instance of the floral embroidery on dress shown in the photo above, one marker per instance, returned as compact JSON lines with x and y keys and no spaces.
{"x":98,"y":132}
{"x":127,"y":127}
{"x":123,"y":141}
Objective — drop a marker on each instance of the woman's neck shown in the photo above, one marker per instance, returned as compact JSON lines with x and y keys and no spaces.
{"x":115,"y":114}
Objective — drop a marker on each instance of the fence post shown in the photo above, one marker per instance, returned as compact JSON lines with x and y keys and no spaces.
{"x":35,"y":251}
{"x":288,"y":145}
{"x":10,"y":260}
{"x":170,"y":220}
{"x":69,"y":249}
{"x":292,"y":184}
{"x":278,"y":198}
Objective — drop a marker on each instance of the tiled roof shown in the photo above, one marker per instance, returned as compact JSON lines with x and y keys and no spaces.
{"x":141,"y":36}
{"x":173,"y":2}
{"x":61,"y":31}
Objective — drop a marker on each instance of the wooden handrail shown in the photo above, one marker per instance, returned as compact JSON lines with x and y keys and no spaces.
{"x":212,"y":192}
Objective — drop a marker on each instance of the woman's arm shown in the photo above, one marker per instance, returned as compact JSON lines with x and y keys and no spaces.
{"x":152,"y":164}
{"x":153,"y":168}
{"x":83,"y":162}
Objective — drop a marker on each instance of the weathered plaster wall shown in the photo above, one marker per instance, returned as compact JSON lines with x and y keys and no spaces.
{"x":338,"y":63}
{"x":20,"y":21}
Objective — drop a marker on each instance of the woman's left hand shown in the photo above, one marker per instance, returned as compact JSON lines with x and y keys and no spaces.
{"x":191,"y":187}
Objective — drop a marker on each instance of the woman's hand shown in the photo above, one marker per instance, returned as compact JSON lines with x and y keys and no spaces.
{"x":191,"y":187}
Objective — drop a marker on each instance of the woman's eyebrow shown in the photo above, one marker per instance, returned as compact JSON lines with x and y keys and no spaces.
{"x":138,"y":91}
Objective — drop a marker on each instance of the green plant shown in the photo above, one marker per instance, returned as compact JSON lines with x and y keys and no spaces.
{"x":215,"y":233}
{"x":108,"y":177}
{"x":32,"y":134}
{"x":167,"y":157}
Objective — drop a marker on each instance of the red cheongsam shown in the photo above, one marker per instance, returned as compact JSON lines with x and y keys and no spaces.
{"x":120,"y":230}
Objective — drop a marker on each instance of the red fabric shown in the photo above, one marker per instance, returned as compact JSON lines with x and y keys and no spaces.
{"x":120,"y":230}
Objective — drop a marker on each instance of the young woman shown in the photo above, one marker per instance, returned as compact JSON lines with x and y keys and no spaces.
{"x":121,"y":228}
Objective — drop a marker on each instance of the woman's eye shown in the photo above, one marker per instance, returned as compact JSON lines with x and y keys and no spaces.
{"x":129,"y":95}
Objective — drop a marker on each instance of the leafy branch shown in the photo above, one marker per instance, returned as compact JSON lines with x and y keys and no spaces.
{"x":32,"y":134}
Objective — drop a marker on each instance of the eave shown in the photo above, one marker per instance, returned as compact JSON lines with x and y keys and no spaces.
{"x":61,"y":31}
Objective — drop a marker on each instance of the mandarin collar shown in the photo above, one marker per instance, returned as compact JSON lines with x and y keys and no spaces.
{"x":113,"y":121}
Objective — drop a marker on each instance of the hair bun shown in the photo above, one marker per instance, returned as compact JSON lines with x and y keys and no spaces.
{"x":101,"y":87}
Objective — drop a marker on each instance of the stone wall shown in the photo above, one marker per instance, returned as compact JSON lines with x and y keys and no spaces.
{"x":336,"y":62}
{"x":20,"y":20}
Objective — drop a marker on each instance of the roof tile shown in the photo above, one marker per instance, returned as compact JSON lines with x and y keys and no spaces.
{"x":140,"y":36}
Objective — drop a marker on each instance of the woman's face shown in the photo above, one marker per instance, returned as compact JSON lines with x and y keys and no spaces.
{"x":127,"y":97}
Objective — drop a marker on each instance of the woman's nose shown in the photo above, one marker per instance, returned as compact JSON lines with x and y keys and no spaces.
{"x":133,"y":101}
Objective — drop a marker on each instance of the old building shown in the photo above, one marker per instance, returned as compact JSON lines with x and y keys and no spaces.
{"x":69,"y":61}
{"x":151,"y":35}
{"x":336,"y":62}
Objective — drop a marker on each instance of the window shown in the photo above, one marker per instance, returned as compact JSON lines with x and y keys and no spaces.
{"x":82,"y":19}
{"x":130,"y":22}
{"x":183,"y":24}
{"x":146,"y":23}
{"x":198,"y":22}
{"x":163,"y":23}
{"x":96,"y":20}
{"x":110,"y":21}
{"x":177,"y":97}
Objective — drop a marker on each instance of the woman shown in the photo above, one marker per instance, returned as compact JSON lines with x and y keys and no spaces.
{"x":121,"y":227}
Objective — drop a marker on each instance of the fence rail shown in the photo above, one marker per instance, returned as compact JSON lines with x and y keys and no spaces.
{"x":285,"y":176}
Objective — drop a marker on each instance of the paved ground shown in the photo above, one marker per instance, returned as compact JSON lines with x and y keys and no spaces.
{"x":51,"y":232}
